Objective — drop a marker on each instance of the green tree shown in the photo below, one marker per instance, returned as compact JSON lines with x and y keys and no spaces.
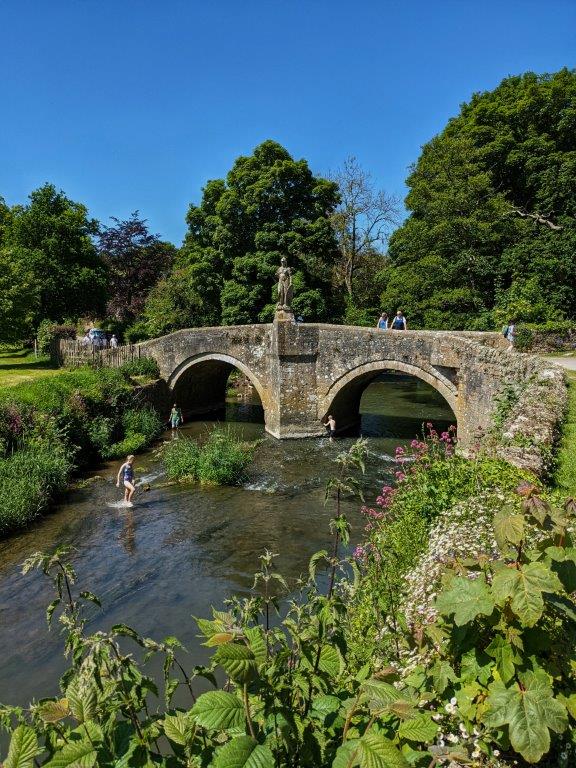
{"x":53,"y":235}
{"x":493,"y":204}
{"x":19,"y":295}
{"x":269,"y":206}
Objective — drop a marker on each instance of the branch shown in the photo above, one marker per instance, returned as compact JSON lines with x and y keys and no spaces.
{"x":538,"y":218}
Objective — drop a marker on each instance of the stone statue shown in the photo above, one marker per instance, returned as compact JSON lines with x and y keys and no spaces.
{"x":284,"y":286}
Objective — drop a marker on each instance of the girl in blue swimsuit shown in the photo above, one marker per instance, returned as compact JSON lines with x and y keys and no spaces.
{"x":126,"y":471}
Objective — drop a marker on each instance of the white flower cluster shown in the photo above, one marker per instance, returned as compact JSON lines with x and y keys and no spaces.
{"x":464,"y":531}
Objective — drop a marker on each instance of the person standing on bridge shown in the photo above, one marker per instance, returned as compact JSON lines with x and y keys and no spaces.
{"x":399,"y":322}
{"x":382,"y":323}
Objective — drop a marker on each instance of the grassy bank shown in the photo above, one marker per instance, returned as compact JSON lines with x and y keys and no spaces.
{"x":18,"y":365}
{"x":50,"y":426}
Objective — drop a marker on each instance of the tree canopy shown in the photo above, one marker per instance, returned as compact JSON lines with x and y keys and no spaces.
{"x":492,"y":229}
{"x":269,"y":206}
{"x":136,"y":260}
{"x":52,"y":236}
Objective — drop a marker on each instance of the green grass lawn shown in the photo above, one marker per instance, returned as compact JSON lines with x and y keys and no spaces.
{"x":565,"y":475}
{"x":18,"y":365}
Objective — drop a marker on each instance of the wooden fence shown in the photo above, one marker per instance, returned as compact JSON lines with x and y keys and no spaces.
{"x":74,"y":352}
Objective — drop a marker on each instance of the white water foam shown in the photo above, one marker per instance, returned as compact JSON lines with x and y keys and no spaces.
{"x":119,"y":504}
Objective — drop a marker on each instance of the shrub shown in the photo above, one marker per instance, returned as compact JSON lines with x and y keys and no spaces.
{"x":29,"y":479}
{"x":141,"y":366}
{"x":222,"y":459}
{"x":180,"y":459}
{"x":48,"y":331}
{"x":145,"y":421}
{"x":131,"y":444}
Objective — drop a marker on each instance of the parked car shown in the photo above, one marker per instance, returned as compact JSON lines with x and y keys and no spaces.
{"x":98,"y":338}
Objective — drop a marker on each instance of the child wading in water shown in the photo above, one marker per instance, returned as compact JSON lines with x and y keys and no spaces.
{"x":127,"y":473}
{"x":176,"y":417}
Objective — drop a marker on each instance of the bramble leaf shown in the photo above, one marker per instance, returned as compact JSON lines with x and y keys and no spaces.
{"x":347,"y":755}
{"x":178,"y":728}
{"x":379,"y":694}
{"x":244,"y":752}
{"x":217,"y":710}
{"x":81,"y":753}
{"x":237,"y":660}
{"x":54,"y":711}
{"x":376,"y":751}
{"x":23,"y":748}
{"x":421,"y":728}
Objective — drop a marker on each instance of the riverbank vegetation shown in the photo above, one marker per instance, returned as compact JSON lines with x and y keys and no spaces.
{"x":50,"y":426}
{"x":467,"y":660}
{"x":221,"y":459}
{"x":565,"y":474}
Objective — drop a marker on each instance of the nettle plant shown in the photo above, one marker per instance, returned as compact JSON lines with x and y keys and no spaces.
{"x":501,"y":654}
{"x":283,"y":692}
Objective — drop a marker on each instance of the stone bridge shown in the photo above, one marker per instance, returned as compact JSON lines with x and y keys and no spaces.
{"x":302,"y":372}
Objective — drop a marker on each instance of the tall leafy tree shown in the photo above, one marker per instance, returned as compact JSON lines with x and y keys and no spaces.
{"x":269,"y":206}
{"x":492,"y":229}
{"x":136,"y":261}
{"x":19,"y":295}
{"x":53,"y":237}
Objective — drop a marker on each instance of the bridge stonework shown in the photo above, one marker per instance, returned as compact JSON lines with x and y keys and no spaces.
{"x":302,"y":372}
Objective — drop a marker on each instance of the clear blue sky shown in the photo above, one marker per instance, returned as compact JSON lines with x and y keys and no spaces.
{"x":134,"y":104}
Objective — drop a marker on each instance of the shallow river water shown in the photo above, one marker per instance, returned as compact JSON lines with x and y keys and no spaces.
{"x":184,"y":548}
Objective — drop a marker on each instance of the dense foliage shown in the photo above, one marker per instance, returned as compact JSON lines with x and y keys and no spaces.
{"x":50,"y":242}
{"x":269,"y":206}
{"x":221,"y":459}
{"x":475,"y":668}
{"x":136,"y":260}
{"x":492,"y":230}
{"x":50,"y":426}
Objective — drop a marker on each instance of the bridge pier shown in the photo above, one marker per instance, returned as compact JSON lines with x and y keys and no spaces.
{"x":293,"y":359}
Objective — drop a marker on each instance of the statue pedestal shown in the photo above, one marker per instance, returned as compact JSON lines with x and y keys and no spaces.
{"x":284,"y":316}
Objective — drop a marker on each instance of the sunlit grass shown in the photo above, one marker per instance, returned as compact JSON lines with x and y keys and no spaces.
{"x":18,"y":365}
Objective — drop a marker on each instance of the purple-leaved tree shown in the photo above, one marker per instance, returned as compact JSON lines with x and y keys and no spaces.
{"x":136,"y":260}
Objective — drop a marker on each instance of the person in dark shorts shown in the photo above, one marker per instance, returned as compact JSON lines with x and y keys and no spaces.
{"x":330,"y":425}
{"x":399,"y":322}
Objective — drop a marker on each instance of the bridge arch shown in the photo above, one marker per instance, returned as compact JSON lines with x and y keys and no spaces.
{"x":342,"y":400}
{"x":198,"y":383}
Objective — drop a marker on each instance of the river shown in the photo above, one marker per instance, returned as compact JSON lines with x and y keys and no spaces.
{"x":184,"y":548}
